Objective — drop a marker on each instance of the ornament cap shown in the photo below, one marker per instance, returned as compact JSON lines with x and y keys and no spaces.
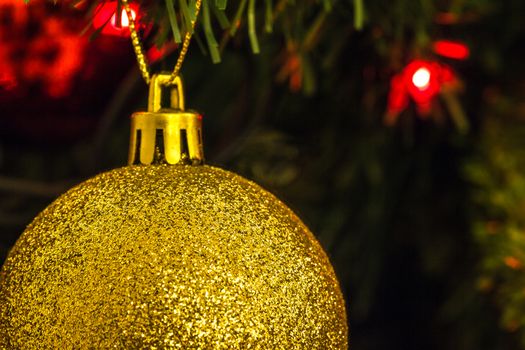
{"x":170,"y":135}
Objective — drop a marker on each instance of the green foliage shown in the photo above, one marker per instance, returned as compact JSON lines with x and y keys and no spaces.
{"x":498,"y":178}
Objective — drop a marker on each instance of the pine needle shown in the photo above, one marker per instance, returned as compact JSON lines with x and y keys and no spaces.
{"x":254,"y":42}
{"x":173,"y":21}
{"x":186,"y":15}
{"x":224,"y":22}
{"x":213,"y":47}
{"x":221,"y":4}
{"x":359,"y":14}
{"x":236,"y":23}
{"x":268,"y":16}
{"x":327,"y":5}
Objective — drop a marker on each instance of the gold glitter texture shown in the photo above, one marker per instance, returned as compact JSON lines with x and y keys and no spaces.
{"x":169,"y":257}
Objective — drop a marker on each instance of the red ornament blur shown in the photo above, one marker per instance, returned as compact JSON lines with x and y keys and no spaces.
{"x":54,"y":81}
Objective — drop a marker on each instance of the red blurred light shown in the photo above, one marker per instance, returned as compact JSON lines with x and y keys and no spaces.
{"x":68,"y":49}
{"x":451,"y":49}
{"x":421,"y":78}
{"x":7,"y":71}
{"x":420,"y":82}
{"x":106,"y":18}
{"x":397,"y":97}
{"x":155,"y":53}
{"x":51,"y":58}
{"x":447,"y":18}
{"x":124,"y":20}
{"x":7,"y":81}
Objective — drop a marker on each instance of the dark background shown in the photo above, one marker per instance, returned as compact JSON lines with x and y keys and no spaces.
{"x":421,"y":220}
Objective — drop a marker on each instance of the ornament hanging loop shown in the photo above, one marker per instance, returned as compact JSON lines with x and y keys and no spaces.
{"x":158,"y":82}
{"x":166,"y":135}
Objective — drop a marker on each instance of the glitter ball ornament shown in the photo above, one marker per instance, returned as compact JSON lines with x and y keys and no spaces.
{"x":168,"y":256}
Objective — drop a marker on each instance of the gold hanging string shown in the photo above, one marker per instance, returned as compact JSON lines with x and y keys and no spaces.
{"x":137,"y":45}
{"x":139,"y":49}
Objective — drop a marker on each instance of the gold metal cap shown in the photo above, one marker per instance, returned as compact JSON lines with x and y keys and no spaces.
{"x":166,"y":135}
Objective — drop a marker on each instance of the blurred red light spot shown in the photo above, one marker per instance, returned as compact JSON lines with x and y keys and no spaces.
{"x":512,"y":262}
{"x":451,"y":49}
{"x":421,"y":78}
{"x":105,"y":19}
{"x":124,"y":20}
{"x":420,"y":81}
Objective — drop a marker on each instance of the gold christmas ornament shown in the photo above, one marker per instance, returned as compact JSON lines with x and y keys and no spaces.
{"x":167,"y":253}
